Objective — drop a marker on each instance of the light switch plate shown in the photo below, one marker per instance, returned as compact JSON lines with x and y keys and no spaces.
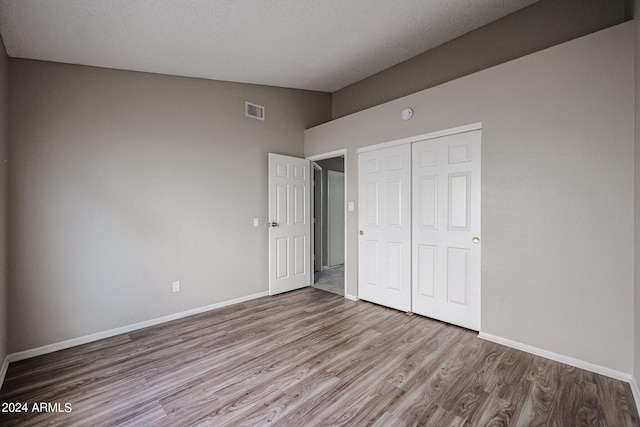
{"x":351,"y":207}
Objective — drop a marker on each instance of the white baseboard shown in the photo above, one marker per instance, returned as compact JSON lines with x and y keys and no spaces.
{"x":636,"y":392}
{"x":352,"y":297}
{"x":124,"y":329}
{"x":587,"y":366}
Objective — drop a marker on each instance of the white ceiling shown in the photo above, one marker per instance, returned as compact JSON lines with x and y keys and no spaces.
{"x":308,"y":44}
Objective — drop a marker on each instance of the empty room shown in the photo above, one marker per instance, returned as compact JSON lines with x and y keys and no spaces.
{"x":434,"y":219}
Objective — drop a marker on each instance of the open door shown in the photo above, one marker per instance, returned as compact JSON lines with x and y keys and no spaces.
{"x":289,"y":223}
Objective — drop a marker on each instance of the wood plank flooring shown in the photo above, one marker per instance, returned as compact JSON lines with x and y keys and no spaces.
{"x":308,"y":358}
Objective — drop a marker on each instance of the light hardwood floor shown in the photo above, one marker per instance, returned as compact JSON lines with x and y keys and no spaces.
{"x":309,"y":358}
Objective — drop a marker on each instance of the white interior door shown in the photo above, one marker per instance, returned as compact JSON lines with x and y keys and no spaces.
{"x":384,"y":192}
{"x":335,"y":220}
{"x":446,"y":229}
{"x":289,"y":220}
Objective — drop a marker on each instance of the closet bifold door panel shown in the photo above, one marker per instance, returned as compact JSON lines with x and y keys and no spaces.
{"x":446,"y":228}
{"x":384,"y":247}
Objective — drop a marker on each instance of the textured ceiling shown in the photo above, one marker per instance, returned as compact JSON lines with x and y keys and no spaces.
{"x":309,"y":44}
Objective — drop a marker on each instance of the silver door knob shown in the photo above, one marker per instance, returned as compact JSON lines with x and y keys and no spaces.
{"x":273,"y":224}
{"x":476,"y":240}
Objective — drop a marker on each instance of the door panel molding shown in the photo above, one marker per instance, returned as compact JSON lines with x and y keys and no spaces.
{"x":439,"y":207}
{"x":290,"y":214}
{"x":456,"y":288}
{"x":384,"y":217}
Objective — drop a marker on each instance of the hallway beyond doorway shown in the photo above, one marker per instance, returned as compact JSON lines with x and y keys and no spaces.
{"x":330,"y":280}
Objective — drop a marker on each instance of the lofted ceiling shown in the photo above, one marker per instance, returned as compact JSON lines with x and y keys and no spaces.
{"x":320,"y":45}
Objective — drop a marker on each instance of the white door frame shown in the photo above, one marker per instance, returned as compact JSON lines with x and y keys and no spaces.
{"x":337,"y":153}
{"x":316,"y":258}
{"x":417,"y":138}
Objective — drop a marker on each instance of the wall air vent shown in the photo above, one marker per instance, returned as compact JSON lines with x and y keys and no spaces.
{"x":254,"y":110}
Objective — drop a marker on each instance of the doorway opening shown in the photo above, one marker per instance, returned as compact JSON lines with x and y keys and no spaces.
{"x":329,"y":219}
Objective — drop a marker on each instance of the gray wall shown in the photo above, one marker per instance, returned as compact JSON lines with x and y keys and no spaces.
{"x":4,"y":77}
{"x":557,"y":190}
{"x":541,"y":25}
{"x":123,"y":182}
{"x":636,"y":371}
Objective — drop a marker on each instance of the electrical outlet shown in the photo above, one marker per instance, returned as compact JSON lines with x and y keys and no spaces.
{"x":176,"y":286}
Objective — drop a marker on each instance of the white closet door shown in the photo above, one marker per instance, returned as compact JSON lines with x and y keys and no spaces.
{"x":446,"y":229}
{"x":384,"y":261}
